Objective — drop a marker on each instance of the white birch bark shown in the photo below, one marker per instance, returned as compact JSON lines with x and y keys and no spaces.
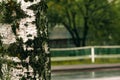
{"x":23,"y":32}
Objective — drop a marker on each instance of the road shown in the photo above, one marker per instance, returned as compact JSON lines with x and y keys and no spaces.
{"x":84,"y":67}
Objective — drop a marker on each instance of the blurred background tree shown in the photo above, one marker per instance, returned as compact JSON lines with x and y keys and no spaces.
{"x":89,"y":22}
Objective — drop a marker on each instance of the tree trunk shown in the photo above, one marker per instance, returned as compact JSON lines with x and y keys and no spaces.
{"x":31,"y":46}
{"x":39,"y":58}
{"x":86,"y":27}
{"x":78,"y":44}
{"x":73,"y":31}
{"x":73,"y":35}
{"x":85,"y":32}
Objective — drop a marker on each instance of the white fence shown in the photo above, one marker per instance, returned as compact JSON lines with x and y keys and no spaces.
{"x":92,"y":55}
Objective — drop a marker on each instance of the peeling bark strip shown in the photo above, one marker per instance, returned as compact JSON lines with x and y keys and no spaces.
{"x":31,"y":45}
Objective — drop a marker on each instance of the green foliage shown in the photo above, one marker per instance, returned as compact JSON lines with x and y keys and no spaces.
{"x":86,"y":19}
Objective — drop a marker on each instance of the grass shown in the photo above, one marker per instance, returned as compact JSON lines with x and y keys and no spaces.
{"x":87,"y":61}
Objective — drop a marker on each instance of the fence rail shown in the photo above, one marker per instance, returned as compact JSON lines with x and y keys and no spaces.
{"x":92,"y":52}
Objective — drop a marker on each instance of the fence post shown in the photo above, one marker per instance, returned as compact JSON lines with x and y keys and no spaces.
{"x":92,"y":54}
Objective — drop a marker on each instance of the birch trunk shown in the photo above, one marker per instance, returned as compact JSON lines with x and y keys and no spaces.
{"x":32,"y":42}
